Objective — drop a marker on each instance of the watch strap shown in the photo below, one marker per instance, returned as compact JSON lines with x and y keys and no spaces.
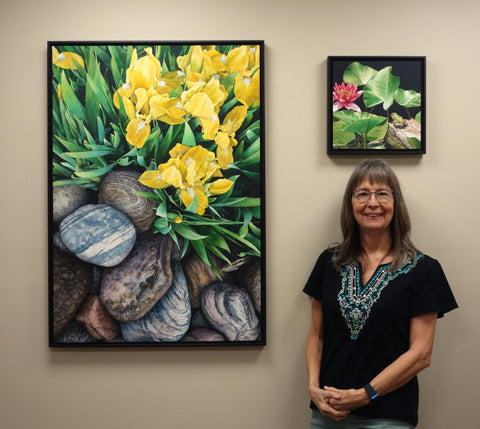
{"x":372,"y":394}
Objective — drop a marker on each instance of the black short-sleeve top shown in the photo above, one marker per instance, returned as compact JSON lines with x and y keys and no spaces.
{"x":366,"y":327}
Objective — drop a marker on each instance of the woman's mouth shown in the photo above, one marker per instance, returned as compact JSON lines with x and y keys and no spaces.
{"x":373,"y":215}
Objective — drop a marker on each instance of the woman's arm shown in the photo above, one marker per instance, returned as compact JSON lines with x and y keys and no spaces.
{"x":399,"y":372}
{"x":313,"y":357}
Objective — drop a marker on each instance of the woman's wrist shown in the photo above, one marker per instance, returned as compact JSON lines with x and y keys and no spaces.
{"x":363,"y":397}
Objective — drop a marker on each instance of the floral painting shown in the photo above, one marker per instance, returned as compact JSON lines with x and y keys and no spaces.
{"x":156,"y":193}
{"x":376,"y":104}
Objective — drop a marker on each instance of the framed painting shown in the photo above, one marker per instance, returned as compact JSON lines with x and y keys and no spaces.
{"x":376,"y":104}
{"x":156,"y":201}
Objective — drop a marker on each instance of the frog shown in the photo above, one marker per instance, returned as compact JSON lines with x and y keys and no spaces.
{"x":398,"y":121}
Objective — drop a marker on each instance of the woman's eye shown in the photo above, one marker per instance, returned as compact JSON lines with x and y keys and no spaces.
{"x":363,"y":195}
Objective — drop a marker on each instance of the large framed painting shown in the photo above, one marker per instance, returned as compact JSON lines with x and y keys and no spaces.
{"x":376,"y":104}
{"x":156,"y":193}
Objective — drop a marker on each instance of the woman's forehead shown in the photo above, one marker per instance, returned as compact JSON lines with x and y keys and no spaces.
{"x":373,"y":181}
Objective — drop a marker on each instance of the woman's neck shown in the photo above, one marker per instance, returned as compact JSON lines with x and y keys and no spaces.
{"x":376,"y":245}
{"x":377,"y":250}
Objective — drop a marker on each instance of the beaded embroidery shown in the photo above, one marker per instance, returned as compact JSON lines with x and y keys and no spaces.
{"x":355,"y":301}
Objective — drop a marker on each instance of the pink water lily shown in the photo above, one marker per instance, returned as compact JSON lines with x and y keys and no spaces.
{"x":345,"y":95}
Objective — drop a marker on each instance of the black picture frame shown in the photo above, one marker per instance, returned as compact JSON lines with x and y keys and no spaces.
{"x":362,"y":94}
{"x":175,"y":130}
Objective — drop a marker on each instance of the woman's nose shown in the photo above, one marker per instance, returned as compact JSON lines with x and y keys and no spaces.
{"x":372,"y":201}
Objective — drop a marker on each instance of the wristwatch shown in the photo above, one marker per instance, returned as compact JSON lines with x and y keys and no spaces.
{"x":371,"y":392}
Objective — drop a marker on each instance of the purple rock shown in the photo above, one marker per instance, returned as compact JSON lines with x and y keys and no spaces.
{"x":131,"y":289}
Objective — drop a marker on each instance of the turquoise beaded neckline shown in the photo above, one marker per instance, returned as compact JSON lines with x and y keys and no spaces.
{"x":356,"y":300}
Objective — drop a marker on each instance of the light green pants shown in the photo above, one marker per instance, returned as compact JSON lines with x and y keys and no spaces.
{"x":355,"y":422}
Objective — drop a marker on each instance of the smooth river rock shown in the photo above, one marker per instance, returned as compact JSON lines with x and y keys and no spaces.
{"x":67,"y":199}
{"x":230,"y":311}
{"x":198,"y":319}
{"x":199,"y":275}
{"x":118,"y":189}
{"x":252,"y":281}
{"x":75,"y":334}
{"x":169,"y":320}
{"x":98,"y":234}
{"x":96,"y":320}
{"x":131,"y":289}
{"x":71,"y":281}
{"x":202,"y":334}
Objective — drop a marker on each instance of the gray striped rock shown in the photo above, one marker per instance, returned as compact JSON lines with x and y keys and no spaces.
{"x":169,"y":320}
{"x":98,"y":234}
{"x":131,"y":289}
{"x":229,"y":310}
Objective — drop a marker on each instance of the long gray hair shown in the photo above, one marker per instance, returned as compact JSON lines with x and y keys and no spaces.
{"x":375,"y":171}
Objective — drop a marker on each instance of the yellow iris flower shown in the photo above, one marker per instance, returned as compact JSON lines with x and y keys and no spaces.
{"x":165,"y":109}
{"x":179,"y":150}
{"x":203,"y":101}
{"x":175,"y":76}
{"x":166,"y":86}
{"x":238,"y":60}
{"x":216,"y":92}
{"x":138,"y":131}
{"x":210,"y":126}
{"x":168,"y":174}
{"x":189,"y":169}
{"x":187,"y":195}
{"x":200,"y":105}
{"x":145,"y":72}
{"x":143,"y":81}
{"x":192,"y":61}
{"x":66,"y":60}
{"x":224,"y":149}
{"x":208,"y":62}
{"x":220,"y":186}
{"x":233,"y":120}
{"x":124,"y":92}
{"x":225,"y":138}
{"x":247,"y":89}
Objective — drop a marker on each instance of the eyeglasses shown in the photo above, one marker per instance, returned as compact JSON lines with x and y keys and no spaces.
{"x":383,"y":196}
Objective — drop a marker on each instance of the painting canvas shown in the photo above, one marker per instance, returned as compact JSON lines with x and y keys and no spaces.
{"x":156,"y":193}
{"x":376,"y":104}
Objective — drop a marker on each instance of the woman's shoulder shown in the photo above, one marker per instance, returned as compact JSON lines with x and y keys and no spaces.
{"x":330,"y":253}
{"x":427,"y":266}
{"x":326,"y":258}
{"x":425,"y":261}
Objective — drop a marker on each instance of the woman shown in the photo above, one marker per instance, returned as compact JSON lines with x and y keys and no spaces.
{"x":375,"y":303}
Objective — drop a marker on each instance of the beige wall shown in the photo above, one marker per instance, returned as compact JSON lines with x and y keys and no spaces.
{"x":243,"y":388}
